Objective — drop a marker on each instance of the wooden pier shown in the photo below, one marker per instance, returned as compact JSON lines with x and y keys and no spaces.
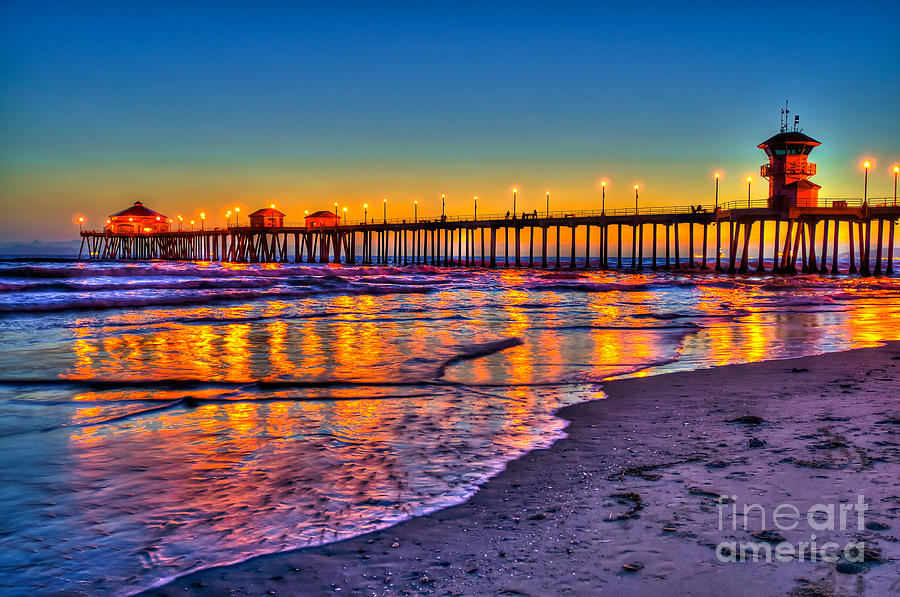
{"x":718,"y":240}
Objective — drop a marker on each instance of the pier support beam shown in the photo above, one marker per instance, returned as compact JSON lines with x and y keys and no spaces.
{"x":691,"y":263}
{"x":619,"y":255}
{"x":878,"y":252}
{"x":677,"y":247}
{"x":572,"y":258}
{"x":544,"y":247}
{"x":703,"y":261}
{"x":889,"y":270}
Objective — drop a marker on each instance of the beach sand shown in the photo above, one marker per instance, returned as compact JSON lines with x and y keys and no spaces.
{"x":636,"y":483}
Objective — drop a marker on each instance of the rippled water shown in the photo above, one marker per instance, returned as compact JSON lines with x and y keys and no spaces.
{"x":160,"y":418}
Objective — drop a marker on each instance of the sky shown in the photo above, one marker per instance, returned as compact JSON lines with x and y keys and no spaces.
{"x":204,"y":106}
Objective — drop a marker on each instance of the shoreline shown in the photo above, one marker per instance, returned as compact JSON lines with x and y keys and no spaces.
{"x":626,"y":502}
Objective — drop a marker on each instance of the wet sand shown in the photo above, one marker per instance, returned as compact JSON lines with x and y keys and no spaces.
{"x":628,"y":503}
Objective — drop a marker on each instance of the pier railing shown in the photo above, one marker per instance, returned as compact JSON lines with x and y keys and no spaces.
{"x":822,"y":202}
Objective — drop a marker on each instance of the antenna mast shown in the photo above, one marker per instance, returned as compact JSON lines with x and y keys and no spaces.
{"x":785,"y":117}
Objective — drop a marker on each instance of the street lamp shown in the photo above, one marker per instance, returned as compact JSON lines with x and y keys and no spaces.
{"x":443,"y":205}
{"x":228,"y":218}
{"x":635,"y":199}
{"x":603,"y":201}
{"x":866,"y":165}
{"x":475,"y":199}
{"x":192,"y":225}
{"x":345,"y":216}
{"x":180,"y":222}
{"x":416,"y":211}
{"x":717,"y":191}
{"x":336,"y":217}
{"x":548,"y":204}
{"x":365,"y":213}
{"x":384,"y":209}
{"x":749,"y":180}
{"x":896,"y":170}
{"x":237,"y":217}
{"x":81,"y":220}
{"x":514,"y":202}
{"x":202,"y":217}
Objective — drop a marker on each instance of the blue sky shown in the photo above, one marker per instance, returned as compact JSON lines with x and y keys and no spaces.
{"x":217,"y":104}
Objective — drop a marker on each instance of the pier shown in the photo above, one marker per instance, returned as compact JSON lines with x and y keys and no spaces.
{"x":805,"y":240}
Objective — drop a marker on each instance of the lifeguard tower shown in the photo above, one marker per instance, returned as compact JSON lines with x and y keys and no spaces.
{"x":788,"y":170}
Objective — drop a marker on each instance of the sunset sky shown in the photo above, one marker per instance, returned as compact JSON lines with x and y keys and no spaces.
{"x":225,"y":103}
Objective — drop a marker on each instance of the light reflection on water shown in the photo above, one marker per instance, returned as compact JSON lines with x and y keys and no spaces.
{"x":110,"y":489}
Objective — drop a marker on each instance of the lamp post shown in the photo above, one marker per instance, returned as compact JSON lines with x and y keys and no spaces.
{"x":202,"y":218}
{"x":345,"y":216}
{"x":416,"y":211}
{"x":749,"y":180}
{"x":717,"y":191}
{"x":237,"y":217}
{"x":896,"y":171}
{"x":384,"y":209}
{"x":81,"y":221}
{"x":228,"y":218}
{"x":192,"y":225}
{"x":365,"y":213}
{"x":180,"y":222}
{"x":443,"y":205}
{"x":337,"y":218}
{"x":475,"y":199}
{"x":548,"y":204}
{"x":603,"y":200}
{"x":514,"y":202}
{"x":866,"y":165}
{"x":635,"y":200}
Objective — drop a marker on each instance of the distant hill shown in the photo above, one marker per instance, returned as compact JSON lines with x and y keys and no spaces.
{"x":36,"y":248}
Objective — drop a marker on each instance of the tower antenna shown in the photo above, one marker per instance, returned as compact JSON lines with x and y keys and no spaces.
{"x":785,"y":117}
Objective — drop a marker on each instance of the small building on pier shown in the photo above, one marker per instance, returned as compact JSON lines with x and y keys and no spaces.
{"x":322,"y":219}
{"x":137,"y":219}
{"x":788,"y":170}
{"x":268,"y":217}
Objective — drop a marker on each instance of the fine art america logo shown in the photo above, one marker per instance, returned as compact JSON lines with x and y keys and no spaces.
{"x":771,"y":545}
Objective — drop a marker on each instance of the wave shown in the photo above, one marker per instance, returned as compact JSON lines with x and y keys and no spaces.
{"x":200,"y":284}
{"x":118,"y":302}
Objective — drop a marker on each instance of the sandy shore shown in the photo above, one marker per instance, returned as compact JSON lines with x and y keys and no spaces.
{"x":629,"y":503}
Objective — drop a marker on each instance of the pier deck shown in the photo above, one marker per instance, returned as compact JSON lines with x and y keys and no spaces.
{"x":473,"y":240}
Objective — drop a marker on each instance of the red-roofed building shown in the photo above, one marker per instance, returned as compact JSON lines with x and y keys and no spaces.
{"x":268,"y":217}
{"x":789,"y":170}
{"x":322,"y":219}
{"x":137,"y":219}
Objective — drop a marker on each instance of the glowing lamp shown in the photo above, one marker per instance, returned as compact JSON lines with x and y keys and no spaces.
{"x":717,"y":175}
{"x":365,"y":205}
{"x":866,"y":165}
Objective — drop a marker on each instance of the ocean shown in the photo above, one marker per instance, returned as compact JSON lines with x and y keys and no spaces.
{"x":160,"y":418}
